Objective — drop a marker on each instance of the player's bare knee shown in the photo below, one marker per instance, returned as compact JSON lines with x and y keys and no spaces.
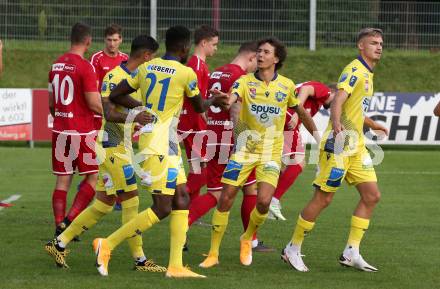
{"x":262,"y":207}
{"x":324,"y":199}
{"x":372,"y":198}
{"x":263,"y":203}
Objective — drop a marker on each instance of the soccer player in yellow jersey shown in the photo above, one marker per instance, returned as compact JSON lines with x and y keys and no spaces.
{"x":116,"y":173}
{"x":163,"y":83}
{"x":264,"y":97}
{"x":343,"y":156}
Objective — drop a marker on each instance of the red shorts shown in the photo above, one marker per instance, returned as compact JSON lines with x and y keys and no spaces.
{"x":71,"y":152}
{"x":215,"y":172}
{"x":195,"y":145}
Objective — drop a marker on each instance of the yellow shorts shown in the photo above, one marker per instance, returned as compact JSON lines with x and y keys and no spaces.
{"x":237,"y":171}
{"x":116,"y":174}
{"x":162,"y":174}
{"x":333,"y":169}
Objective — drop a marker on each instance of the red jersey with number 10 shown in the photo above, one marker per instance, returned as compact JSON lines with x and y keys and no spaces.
{"x":189,"y":118}
{"x":69,"y":78}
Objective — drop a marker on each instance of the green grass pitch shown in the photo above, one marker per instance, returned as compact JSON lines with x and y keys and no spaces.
{"x":403,"y":240}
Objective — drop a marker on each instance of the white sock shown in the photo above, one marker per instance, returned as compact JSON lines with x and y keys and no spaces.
{"x":351,"y":251}
{"x":254,"y":243}
{"x":141,"y":259}
{"x":275,"y":201}
{"x":61,"y":244}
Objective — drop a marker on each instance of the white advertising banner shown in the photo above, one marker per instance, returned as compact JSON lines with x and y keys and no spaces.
{"x":408,"y":116}
{"x":15,"y":106}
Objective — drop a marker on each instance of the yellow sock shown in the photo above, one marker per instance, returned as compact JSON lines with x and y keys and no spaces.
{"x":256,"y":219}
{"x":142,"y":222}
{"x":219,"y":224}
{"x":129,"y":211}
{"x":178,"y":228}
{"x":301,"y":229}
{"x":358,"y":228}
{"x":84,"y":221}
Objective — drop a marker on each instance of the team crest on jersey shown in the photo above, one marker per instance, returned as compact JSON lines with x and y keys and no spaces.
{"x":280,"y":96}
{"x":252,"y":92}
{"x":267,"y":93}
{"x":110,"y":76}
{"x":235,"y":85}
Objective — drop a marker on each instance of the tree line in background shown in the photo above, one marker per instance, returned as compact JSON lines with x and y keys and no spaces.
{"x":407,"y":24}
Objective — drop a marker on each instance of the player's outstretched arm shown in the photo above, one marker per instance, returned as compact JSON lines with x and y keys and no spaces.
{"x":120,"y":95}
{"x":111,"y":114}
{"x":374,"y":125}
{"x":308,"y":122}
{"x":437,"y":109}
{"x":219,"y":99}
{"x":336,"y":111}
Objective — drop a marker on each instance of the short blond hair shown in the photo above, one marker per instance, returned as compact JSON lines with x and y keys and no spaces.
{"x":365,"y":32}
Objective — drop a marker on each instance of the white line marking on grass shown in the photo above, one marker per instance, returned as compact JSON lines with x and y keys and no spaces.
{"x":9,"y":200}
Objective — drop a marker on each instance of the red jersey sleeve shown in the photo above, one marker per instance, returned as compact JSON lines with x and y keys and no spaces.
{"x":88,"y":77}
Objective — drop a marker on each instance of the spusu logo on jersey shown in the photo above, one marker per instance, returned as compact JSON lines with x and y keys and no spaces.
{"x":265,"y":113}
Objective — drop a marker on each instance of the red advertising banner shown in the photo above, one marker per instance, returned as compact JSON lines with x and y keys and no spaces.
{"x":18,"y":132}
{"x":42,"y":121}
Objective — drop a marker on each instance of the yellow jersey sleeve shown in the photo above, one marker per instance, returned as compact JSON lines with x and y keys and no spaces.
{"x":347,"y":81}
{"x":105,"y":88}
{"x":191,"y":87}
{"x":110,"y":81}
{"x":133,"y":80}
{"x":238,"y":88}
{"x":292,"y":100}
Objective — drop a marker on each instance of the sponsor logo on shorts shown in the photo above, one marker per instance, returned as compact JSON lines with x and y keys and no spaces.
{"x":172,"y":178}
{"x":335,"y":178}
{"x":107,"y":180}
{"x":232,"y":170}
{"x":271,"y":167}
{"x":130,"y":178}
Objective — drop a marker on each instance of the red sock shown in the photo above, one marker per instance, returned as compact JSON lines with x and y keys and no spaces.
{"x":82,"y":200}
{"x":287,"y":178}
{"x":200,"y":206}
{"x":247,"y":205}
{"x":195,"y":182}
{"x":59,"y":205}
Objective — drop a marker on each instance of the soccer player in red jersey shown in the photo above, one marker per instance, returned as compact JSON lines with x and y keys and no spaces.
{"x":105,"y":60}
{"x":220,"y":141}
{"x":192,"y":125}
{"x":73,"y":101}
{"x":313,"y":95}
